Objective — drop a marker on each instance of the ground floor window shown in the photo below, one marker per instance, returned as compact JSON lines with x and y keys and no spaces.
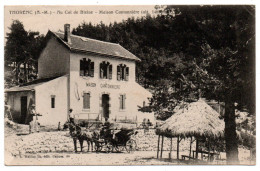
{"x":122,"y":102}
{"x":52,"y":101}
{"x":86,"y":101}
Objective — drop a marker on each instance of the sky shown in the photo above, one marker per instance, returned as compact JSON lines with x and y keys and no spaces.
{"x":35,"y":18}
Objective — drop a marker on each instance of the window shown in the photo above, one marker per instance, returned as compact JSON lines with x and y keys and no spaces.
{"x":86,"y":68}
{"x":52,"y":101}
{"x":86,"y":101}
{"x":105,"y":70}
{"x":122,"y":102}
{"x":122,"y":72}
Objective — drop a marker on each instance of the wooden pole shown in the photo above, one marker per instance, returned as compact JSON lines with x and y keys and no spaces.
{"x":170,"y":156}
{"x":162,"y":146}
{"x":158,"y":147}
{"x":197,"y":147}
{"x":190,"y":146}
{"x":178,"y":147}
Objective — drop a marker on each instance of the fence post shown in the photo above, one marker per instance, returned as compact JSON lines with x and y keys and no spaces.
{"x":158,"y":146}
{"x":162,"y":146}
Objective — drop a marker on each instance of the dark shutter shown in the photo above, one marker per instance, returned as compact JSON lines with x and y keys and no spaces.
{"x":92,"y":69}
{"x":88,"y":63}
{"x":121,"y":72}
{"x":123,"y":102}
{"x":127,"y":74}
{"x":85,"y":67}
{"x":86,"y":101}
{"x":110,"y":72}
{"x":81,"y":72}
{"x":118,"y":72}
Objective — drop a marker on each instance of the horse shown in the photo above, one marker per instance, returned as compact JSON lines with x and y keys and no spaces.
{"x":77,"y":133}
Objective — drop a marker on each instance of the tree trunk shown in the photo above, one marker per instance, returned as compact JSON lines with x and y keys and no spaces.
{"x":178,"y":141}
{"x":17,"y":71}
{"x":230,"y":132}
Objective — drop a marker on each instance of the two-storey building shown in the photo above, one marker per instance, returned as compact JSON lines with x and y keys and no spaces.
{"x":94,"y":78}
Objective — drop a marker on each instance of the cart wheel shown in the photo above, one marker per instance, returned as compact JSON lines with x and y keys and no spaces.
{"x":130,"y":145}
{"x":109,"y":147}
{"x":98,"y":147}
{"x":119,"y":148}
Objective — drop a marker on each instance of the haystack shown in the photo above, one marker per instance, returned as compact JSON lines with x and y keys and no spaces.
{"x":196,"y":119}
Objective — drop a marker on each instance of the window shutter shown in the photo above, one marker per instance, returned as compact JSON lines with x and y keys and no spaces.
{"x":81,"y":72}
{"x":127,"y":73}
{"x":84,"y":67}
{"x":110,"y":72}
{"x":101,"y":70}
{"x":121,"y":72}
{"x":123,"y":102}
{"x":92,"y":69}
{"x":86,"y":101}
{"x":88,"y":63}
{"x":118,"y":72}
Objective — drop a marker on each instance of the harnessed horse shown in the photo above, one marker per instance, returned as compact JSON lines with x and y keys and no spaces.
{"x":77,"y":133}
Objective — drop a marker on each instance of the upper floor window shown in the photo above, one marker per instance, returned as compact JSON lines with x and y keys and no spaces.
{"x":106,"y":70}
{"x":86,"y":68}
{"x":122,"y":72}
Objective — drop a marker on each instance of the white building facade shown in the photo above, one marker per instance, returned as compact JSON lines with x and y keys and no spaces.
{"x":94,"y":78}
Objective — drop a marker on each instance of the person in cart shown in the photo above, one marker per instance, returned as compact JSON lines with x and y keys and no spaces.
{"x":71,"y":117}
{"x":106,"y":130}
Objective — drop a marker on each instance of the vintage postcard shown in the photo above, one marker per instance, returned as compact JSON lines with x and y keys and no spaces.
{"x":129,"y":85}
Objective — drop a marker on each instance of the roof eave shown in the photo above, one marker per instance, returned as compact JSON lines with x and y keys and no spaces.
{"x":10,"y":91}
{"x":102,"y":54}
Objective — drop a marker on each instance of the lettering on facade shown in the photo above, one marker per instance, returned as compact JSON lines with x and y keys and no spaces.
{"x":91,"y":84}
{"x":110,"y":86}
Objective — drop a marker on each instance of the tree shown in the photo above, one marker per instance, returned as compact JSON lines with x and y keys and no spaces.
{"x":227,"y":57}
{"x":22,"y":49}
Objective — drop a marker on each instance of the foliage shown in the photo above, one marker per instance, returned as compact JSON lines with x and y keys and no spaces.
{"x":21,"y":53}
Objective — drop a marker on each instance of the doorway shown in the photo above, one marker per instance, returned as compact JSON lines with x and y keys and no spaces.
{"x":23,"y":109}
{"x":105,"y":106}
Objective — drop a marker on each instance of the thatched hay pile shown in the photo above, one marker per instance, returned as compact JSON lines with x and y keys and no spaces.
{"x":196,"y":119}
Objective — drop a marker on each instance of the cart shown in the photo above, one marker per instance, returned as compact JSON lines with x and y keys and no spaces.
{"x":110,"y":141}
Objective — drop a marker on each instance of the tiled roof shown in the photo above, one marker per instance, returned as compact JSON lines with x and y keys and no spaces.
{"x":79,"y":43}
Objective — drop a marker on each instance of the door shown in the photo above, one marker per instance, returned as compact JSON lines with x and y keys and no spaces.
{"x":23,"y":109}
{"x":105,"y":106}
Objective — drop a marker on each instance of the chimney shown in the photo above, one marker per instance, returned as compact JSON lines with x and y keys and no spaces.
{"x":67,"y":33}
